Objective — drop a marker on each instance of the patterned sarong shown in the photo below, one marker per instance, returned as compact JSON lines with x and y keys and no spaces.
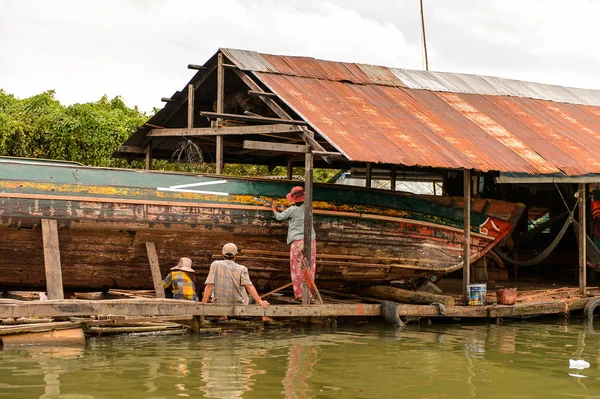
{"x":296,"y":249}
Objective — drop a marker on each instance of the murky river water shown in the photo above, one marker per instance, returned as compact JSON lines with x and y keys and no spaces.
{"x":512,"y":360}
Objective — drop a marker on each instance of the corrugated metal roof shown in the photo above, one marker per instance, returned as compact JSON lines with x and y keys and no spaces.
{"x":425,"y":80}
{"x":389,"y":115}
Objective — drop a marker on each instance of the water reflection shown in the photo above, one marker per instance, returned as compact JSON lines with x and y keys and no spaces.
{"x":228,"y":370}
{"x":523,"y":360}
{"x":301,"y":361}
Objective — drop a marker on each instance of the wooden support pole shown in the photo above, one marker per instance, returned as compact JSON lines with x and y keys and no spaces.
{"x":308,"y":221}
{"x":190,"y":118}
{"x":149,"y":156}
{"x":467,"y":234}
{"x":290,"y":169}
{"x":582,"y":240}
{"x":54,"y":284}
{"x":155,"y":269}
{"x":368,"y":174}
{"x":393,"y":178}
{"x":390,"y":293}
{"x":220,"y":108}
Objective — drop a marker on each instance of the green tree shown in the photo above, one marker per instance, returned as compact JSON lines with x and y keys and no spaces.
{"x":89,"y":133}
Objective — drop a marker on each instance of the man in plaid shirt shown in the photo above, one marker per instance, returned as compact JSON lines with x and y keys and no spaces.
{"x":181,"y":281}
{"x":229,"y":281}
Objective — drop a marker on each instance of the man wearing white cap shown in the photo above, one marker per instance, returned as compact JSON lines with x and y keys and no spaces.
{"x":230,"y":281}
{"x":181,"y":280}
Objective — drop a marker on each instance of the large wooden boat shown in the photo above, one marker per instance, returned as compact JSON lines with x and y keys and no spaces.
{"x":105,"y":217}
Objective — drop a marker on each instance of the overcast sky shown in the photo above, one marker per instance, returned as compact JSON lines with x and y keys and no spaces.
{"x":139,"y":49}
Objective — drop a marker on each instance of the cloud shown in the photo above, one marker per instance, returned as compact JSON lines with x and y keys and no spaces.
{"x":139,"y":49}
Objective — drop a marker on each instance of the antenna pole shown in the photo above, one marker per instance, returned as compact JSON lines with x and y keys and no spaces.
{"x":424,"y":40}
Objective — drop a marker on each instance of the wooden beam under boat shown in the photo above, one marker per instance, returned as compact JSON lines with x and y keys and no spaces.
{"x":171,"y":307}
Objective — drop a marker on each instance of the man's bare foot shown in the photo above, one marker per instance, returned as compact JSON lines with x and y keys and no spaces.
{"x":223,"y":318}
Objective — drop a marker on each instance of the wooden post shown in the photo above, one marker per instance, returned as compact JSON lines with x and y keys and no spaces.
{"x":149,"y":156}
{"x":393,"y":178}
{"x":155,"y":269}
{"x":290,"y":169}
{"x":54,"y":284}
{"x":190,"y":118}
{"x":220,"y":107}
{"x":308,"y":222}
{"x":467,"y":234}
{"x":368,"y":175}
{"x":582,"y":240}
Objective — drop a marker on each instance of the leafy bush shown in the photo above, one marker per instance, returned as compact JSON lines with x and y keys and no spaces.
{"x":40,"y":127}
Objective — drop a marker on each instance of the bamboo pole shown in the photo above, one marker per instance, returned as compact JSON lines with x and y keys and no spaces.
{"x":393,"y":178}
{"x":276,"y":290}
{"x":368,"y":174}
{"x":467,"y":234}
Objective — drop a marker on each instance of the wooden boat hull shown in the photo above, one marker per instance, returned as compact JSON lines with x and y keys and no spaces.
{"x":106,"y":216}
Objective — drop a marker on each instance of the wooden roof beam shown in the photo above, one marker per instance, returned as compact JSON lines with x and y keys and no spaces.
{"x":197,"y":67}
{"x":226,"y":131}
{"x":261,"y":93}
{"x":276,"y":147}
{"x":246,"y":118}
{"x":131,"y":149}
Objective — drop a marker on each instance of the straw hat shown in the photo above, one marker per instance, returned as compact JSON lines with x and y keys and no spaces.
{"x":185,"y":265}
{"x":230,"y":249}
{"x":296,"y":195}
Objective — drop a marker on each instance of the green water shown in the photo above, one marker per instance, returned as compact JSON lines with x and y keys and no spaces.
{"x":512,"y":360}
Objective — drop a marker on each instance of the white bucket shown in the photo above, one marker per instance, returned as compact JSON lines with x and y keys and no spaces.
{"x":476,"y":294}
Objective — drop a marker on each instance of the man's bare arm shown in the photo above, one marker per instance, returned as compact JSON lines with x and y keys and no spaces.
{"x":208,"y":289}
{"x":252,"y":291}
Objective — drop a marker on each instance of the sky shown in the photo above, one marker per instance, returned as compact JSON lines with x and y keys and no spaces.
{"x":140,"y":49}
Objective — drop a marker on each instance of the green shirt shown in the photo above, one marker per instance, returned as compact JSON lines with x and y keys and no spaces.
{"x":295,"y":215}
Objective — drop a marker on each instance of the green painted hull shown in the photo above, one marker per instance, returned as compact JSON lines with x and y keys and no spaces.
{"x":106,"y":216}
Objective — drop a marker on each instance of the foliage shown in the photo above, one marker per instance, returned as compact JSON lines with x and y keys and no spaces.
{"x":40,"y":127}
{"x":89,"y":133}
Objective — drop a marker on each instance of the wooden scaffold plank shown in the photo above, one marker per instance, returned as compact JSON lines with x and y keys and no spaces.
{"x":54,"y":284}
{"x":155,"y":269}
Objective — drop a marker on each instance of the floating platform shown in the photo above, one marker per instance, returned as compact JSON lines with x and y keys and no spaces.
{"x":171,"y":307}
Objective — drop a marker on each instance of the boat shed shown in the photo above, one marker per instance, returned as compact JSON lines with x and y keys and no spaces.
{"x":246,"y":107}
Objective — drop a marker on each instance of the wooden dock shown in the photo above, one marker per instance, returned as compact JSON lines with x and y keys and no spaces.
{"x":169,"y":307}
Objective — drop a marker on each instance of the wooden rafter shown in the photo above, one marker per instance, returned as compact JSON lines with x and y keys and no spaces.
{"x":225,"y":131}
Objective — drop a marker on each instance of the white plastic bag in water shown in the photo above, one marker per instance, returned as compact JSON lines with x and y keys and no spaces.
{"x":578,"y":364}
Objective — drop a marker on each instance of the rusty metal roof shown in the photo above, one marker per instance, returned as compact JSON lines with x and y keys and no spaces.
{"x":389,"y":115}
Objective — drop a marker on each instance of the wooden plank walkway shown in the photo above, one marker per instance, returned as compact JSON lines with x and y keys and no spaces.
{"x":170,"y":307}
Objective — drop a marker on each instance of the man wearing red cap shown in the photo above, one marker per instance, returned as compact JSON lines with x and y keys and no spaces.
{"x":295,"y":237}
